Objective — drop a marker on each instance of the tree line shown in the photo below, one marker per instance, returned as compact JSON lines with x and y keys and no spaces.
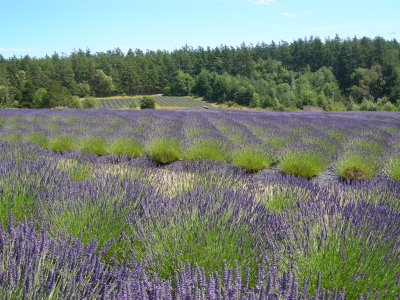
{"x":336,"y":74}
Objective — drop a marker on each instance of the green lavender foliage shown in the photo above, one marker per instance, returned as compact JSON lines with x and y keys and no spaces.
{"x":209,"y":149}
{"x":93,"y":144}
{"x":393,"y":168}
{"x":61,"y":143}
{"x":163,"y":150}
{"x":250,"y":158}
{"x":355,"y":167}
{"x":125,"y":145}
{"x":303,"y":164}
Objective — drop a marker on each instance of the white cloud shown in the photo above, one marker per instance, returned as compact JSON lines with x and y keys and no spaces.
{"x":262,"y":2}
{"x":289,"y":15}
{"x":303,"y":13}
{"x":324,"y":28}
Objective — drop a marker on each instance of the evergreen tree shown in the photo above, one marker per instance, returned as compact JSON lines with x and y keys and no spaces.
{"x":203,"y":84}
{"x":182,"y":85}
{"x":102,"y":84}
{"x":333,"y":73}
{"x":41,"y":98}
{"x":5,"y":97}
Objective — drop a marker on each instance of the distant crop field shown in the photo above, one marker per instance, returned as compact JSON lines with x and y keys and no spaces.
{"x":161,"y":101}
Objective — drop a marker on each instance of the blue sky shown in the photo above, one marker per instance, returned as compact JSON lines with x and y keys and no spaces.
{"x":40,"y":27}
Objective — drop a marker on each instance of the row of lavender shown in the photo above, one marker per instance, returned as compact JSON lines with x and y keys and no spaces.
{"x":354,"y":145}
{"x":80,"y":226}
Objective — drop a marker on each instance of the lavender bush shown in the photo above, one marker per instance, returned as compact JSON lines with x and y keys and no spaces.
{"x":76,"y":224}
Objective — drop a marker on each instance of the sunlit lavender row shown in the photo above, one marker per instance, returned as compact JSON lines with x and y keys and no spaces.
{"x":350,"y":145}
{"x":76,"y":224}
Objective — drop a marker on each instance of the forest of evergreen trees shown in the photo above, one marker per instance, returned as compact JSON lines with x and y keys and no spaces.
{"x":336,"y":74}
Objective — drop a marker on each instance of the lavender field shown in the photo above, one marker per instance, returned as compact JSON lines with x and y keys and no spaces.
{"x":161,"y":101}
{"x":101,"y":204}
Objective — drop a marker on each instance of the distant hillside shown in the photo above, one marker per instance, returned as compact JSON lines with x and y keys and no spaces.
{"x":161,"y":102}
{"x":335,"y":74}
